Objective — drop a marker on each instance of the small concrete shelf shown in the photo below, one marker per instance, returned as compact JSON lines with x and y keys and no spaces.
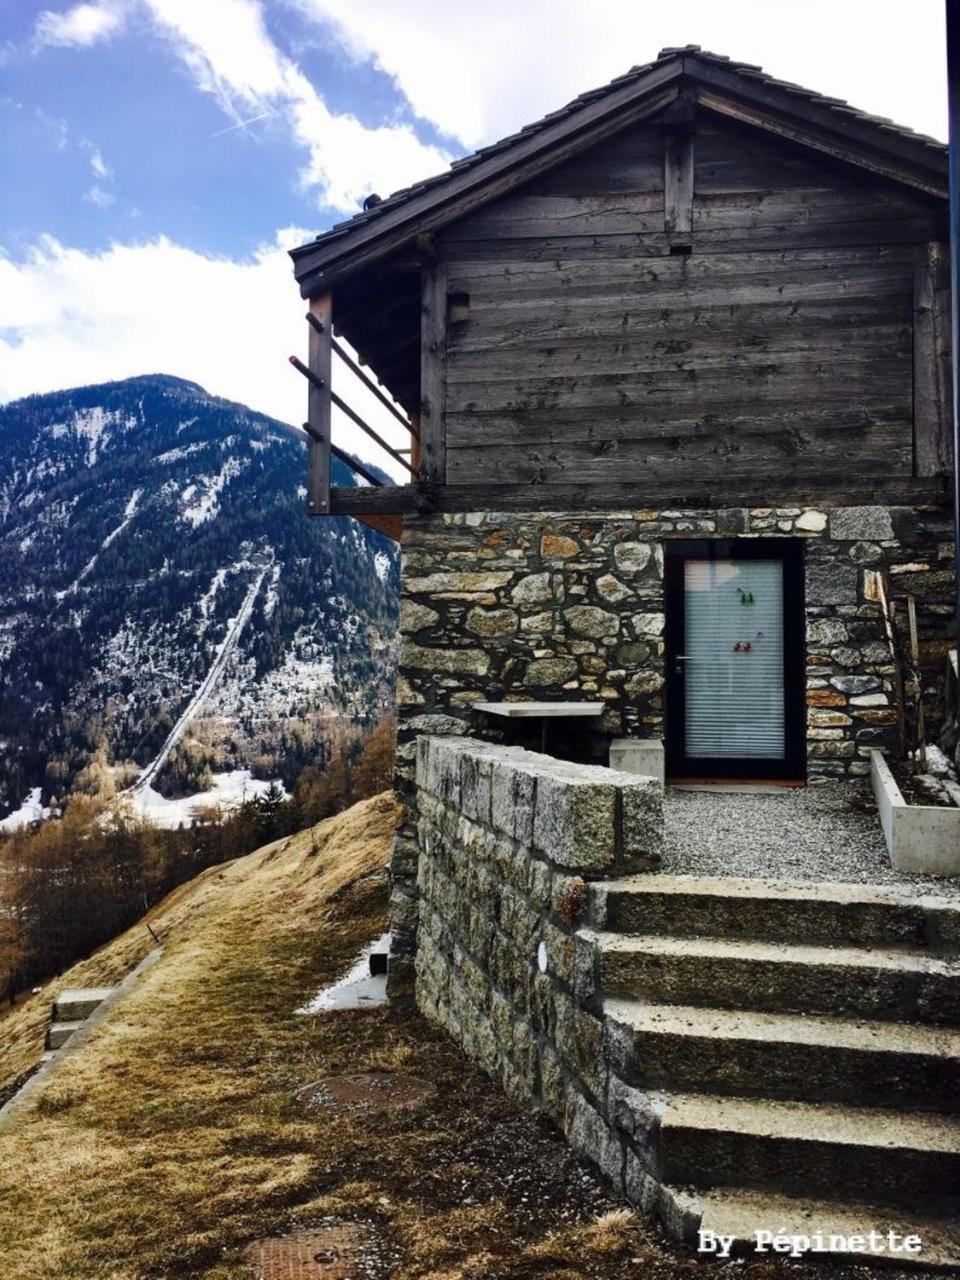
{"x":535,"y":710}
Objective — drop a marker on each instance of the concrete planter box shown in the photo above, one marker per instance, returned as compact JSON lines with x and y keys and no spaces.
{"x":921,"y":838}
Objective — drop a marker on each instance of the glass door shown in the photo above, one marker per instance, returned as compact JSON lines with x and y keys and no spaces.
{"x":735,"y":679}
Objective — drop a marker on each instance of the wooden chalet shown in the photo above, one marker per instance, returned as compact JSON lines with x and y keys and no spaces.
{"x":674,"y":361}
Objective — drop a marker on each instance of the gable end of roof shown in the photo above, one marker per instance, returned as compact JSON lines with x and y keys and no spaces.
{"x":743,"y":90}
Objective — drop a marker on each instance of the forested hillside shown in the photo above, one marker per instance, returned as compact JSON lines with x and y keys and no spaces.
{"x":148,"y":529}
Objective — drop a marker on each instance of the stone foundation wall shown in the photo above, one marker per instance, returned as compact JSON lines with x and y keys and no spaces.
{"x":499,"y":606}
{"x":509,"y":841}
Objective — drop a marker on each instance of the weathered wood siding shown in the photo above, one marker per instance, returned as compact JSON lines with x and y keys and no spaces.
{"x":782,"y":344}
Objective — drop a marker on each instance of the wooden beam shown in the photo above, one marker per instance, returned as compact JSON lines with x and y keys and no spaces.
{"x":433,"y":372}
{"x":860,"y":153}
{"x":391,"y":526}
{"x":678,"y":126}
{"x":318,"y":403}
{"x":932,"y":397}
{"x":878,"y":489}
{"x":416,"y":456}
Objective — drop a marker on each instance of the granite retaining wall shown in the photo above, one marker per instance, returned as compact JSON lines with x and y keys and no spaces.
{"x":509,"y":841}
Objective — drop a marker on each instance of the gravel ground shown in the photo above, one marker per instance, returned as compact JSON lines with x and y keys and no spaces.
{"x":824,"y":832}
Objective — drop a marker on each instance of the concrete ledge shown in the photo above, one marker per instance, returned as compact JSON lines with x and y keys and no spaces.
{"x":15,"y":1106}
{"x":921,"y":838}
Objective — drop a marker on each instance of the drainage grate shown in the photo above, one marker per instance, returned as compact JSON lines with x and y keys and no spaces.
{"x":369,"y":1091}
{"x":337,"y":1252}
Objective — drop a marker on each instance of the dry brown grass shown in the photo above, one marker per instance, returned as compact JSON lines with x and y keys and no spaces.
{"x":173,"y":1137}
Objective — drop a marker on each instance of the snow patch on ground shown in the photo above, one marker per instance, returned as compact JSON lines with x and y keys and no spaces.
{"x":84,"y":573}
{"x":132,"y":504}
{"x":228,"y":791}
{"x":358,"y":988}
{"x":271,"y":595}
{"x":201,"y":499}
{"x":205,"y":603}
{"x":129,"y":511}
{"x":29,"y":812}
{"x":184,"y":451}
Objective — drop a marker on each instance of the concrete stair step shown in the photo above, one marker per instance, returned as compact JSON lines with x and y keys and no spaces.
{"x":685,"y":1048}
{"x":728,"y":973}
{"x":739,"y":1212}
{"x":79,"y":1002}
{"x":875,"y":1155}
{"x":819,"y":914}
{"x":58,"y":1033}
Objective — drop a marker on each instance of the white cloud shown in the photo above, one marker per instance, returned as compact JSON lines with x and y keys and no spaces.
{"x":479,"y":73}
{"x":99,"y":166}
{"x":80,"y":26}
{"x":229,"y":53}
{"x":99,"y":196}
{"x":69,"y":318}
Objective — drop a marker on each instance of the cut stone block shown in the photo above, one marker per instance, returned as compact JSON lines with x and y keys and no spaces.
{"x":739,"y":1212}
{"x":803,"y":1147}
{"x":79,"y":1003}
{"x":59,"y":1033}
{"x":574,"y":820}
{"x":794,"y":1056}
{"x":638,"y":755}
{"x":824,"y":914}
{"x":781,"y":977}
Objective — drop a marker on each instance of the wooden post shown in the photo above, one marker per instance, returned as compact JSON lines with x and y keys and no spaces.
{"x":433,"y":371}
{"x":678,"y":125}
{"x":318,"y":404}
{"x":415,"y":453}
{"x":932,"y":398}
{"x":919,"y":728}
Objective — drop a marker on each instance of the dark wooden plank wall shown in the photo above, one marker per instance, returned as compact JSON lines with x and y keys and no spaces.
{"x":783,"y":345}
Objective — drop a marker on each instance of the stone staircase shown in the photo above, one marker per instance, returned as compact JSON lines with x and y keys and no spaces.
{"x":787,"y":1057}
{"x":71,"y":1009}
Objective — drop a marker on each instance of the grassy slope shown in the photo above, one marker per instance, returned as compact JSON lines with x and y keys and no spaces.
{"x":173,"y":1137}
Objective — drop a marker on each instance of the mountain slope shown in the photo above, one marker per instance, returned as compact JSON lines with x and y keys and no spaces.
{"x":151,"y":534}
{"x":179,"y":1132}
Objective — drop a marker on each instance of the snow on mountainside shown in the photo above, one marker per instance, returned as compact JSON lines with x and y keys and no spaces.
{"x":154,"y":547}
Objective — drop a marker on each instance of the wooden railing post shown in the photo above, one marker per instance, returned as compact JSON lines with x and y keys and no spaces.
{"x":319,"y":404}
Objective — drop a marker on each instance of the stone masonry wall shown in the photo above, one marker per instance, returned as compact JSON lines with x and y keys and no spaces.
{"x":498,"y":606}
{"x":509,"y":840}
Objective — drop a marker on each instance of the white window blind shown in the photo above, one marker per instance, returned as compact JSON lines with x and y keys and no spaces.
{"x":733,"y":669}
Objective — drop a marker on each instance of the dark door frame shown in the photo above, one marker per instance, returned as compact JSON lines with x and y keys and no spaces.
{"x":793,"y":765}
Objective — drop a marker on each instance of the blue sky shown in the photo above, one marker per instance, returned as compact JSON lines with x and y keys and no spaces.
{"x":121,"y":138}
{"x":158,"y":156}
